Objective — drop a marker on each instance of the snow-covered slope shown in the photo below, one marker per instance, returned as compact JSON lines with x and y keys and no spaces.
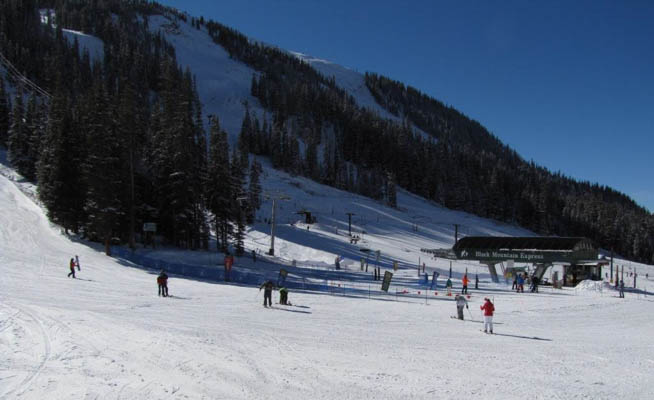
{"x":108,"y":335}
{"x":349,"y":80}
{"x":223,"y":83}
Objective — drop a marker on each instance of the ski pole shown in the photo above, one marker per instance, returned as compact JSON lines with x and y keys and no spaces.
{"x":470,"y":312}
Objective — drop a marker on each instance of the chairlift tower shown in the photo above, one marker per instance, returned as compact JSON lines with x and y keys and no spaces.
{"x":274,"y":197}
{"x":349,"y":222}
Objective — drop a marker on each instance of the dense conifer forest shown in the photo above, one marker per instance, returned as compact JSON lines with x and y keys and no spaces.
{"x":121,"y":141}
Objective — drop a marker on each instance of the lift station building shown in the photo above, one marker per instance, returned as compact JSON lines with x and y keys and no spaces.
{"x":577,"y":255}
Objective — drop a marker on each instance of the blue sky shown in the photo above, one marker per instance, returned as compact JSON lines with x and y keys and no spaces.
{"x":568,"y":84}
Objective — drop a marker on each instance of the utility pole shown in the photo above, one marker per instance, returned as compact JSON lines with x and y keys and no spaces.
{"x":456,"y":233}
{"x":274,"y":196}
{"x":272,"y":230}
{"x":349,"y":222}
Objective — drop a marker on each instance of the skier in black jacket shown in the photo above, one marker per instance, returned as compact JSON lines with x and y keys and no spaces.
{"x":267,"y":287}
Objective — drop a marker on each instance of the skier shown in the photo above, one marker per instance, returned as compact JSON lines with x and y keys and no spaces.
{"x":268,"y":287}
{"x":337,"y":262}
{"x":77,"y":261}
{"x":476,"y":281}
{"x":72,"y":268}
{"x":515,"y":283}
{"x":283,"y":296}
{"x":534,"y":284}
{"x":162,"y":281}
{"x":521,"y":284}
{"x":465,"y":281}
{"x":448,"y":285}
{"x":488,"y":309}
{"x":460,"y":303}
{"x":621,"y":288}
{"x":254,"y":256}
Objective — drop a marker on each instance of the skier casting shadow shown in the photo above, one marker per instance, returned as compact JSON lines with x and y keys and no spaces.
{"x":488,"y":310}
{"x":267,"y":287}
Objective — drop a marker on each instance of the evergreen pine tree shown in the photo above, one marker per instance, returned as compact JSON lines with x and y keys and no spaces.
{"x":4,"y":114}
{"x":254,"y":191}
{"x":18,"y":143}
{"x":103,"y":171}
{"x":391,"y":191}
{"x":58,"y":170}
{"x":239,"y":199}
{"x":219,"y":188}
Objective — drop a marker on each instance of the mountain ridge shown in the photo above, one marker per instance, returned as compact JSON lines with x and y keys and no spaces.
{"x":308,"y":124}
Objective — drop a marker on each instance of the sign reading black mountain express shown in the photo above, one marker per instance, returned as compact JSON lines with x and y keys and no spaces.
{"x":529,"y":250}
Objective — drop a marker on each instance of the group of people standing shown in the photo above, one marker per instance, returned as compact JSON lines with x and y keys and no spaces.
{"x":519,"y":281}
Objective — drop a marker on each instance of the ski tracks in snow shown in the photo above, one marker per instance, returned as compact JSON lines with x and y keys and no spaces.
{"x":31,"y":323}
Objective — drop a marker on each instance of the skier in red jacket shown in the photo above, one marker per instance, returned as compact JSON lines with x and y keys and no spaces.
{"x":72,"y":268}
{"x":488,"y":309}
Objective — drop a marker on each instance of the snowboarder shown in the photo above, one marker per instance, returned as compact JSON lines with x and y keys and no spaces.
{"x":162,"y":281}
{"x":72,"y":268}
{"x":488,"y":308}
{"x":268,"y":287}
{"x":448,"y":285}
{"x":464,"y":289}
{"x":77,"y":261}
{"x":283,"y":296}
{"x":621,"y":288}
{"x":460,"y":303}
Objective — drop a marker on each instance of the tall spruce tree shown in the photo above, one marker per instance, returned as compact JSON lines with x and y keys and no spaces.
{"x":254,"y":190}
{"x":58,"y":170}
{"x":218,"y":187}
{"x":18,"y":143}
{"x":103,"y":170}
{"x":240,"y":202}
{"x":5,"y":109}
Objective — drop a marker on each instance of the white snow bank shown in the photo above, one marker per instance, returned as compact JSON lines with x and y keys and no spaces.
{"x":593,"y":286}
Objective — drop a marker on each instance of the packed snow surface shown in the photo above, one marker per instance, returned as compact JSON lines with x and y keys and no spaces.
{"x":106,"y":334}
